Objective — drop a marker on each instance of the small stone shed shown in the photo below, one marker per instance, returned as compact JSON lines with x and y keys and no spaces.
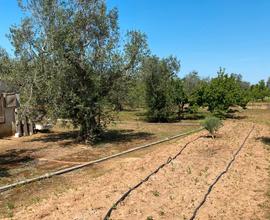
{"x":9,"y":102}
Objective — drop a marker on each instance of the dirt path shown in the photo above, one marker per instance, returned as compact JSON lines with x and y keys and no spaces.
{"x":177,"y":189}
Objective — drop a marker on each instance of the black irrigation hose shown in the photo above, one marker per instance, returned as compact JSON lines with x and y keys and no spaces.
{"x":220,"y":175}
{"x":123,"y":197}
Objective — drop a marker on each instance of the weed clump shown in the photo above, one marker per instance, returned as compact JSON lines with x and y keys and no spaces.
{"x":212,"y":124}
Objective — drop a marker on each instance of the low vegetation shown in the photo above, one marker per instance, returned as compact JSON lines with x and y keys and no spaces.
{"x":212,"y":124}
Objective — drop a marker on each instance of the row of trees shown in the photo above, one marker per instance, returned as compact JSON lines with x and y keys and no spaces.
{"x":71,"y":62}
{"x":167,"y":94}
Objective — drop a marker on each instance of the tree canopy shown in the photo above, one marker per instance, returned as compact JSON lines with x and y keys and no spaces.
{"x":222,"y":92}
{"x":69,"y":63}
{"x":159,"y":75}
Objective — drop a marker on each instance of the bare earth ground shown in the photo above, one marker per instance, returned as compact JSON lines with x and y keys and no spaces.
{"x":173,"y":193}
{"x":28,"y":157}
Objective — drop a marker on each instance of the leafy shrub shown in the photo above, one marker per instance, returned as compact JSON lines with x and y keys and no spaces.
{"x":219,"y":113}
{"x":212,"y":124}
{"x":193,"y":109}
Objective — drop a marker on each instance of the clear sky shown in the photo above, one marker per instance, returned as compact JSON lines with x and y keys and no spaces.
{"x":203,"y":34}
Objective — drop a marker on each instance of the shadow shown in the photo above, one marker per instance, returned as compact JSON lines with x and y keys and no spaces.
{"x":129,"y":110}
{"x":193,"y":117}
{"x":141,"y":114}
{"x":56,"y":137}
{"x":265,"y":140}
{"x":208,"y":136}
{"x":16,"y":157}
{"x":233,"y":110}
{"x":121,"y":136}
{"x":4,"y":172}
{"x":237,"y":117}
{"x":110,"y":136}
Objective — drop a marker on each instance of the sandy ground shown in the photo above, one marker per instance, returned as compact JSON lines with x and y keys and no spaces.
{"x":28,"y":157}
{"x":178,"y":188}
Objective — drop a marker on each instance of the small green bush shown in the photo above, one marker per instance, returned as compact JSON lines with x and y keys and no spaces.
{"x":212,"y":124}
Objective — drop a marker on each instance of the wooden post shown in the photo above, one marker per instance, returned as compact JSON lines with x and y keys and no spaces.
{"x":25,"y":127}
{"x":31,"y":128}
{"x":19,"y":128}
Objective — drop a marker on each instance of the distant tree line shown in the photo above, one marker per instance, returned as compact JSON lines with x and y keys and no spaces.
{"x":71,"y":62}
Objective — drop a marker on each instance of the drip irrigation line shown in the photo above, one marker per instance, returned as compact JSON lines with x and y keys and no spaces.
{"x":220,"y":175}
{"x":69,"y":169}
{"x":123,"y":197}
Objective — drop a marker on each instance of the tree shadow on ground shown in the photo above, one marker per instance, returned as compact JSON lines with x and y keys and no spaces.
{"x":190,"y":116}
{"x":14,"y":156}
{"x":237,"y":117}
{"x":4,"y":172}
{"x":70,"y":136}
{"x":265,"y":140}
{"x":121,"y":136}
{"x":233,"y":111}
{"x":110,"y":136}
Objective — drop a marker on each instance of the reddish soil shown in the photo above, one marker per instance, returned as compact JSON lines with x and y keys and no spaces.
{"x":177,"y":189}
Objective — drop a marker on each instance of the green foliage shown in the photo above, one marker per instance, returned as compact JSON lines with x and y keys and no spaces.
{"x":68,"y":63}
{"x":159,"y":75}
{"x":212,"y":124}
{"x":191,"y":83}
{"x":125,"y":86}
{"x":222,"y":92}
{"x":179,"y":96}
{"x":135,"y":98}
{"x":194,"y":108}
{"x":260,"y":91}
{"x":5,"y":63}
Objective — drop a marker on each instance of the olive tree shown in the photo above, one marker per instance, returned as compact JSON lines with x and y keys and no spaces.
{"x":159,"y":76}
{"x":70,"y":61}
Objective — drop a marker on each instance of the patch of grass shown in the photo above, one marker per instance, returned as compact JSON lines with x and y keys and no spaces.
{"x":134,"y":115}
{"x":161,"y":213}
{"x":9,"y":209}
{"x":196,"y":180}
{"x":188,"y":170}
{"x":36,"y":200}
{"x":10,"y":205}
{"x":156,"y":193}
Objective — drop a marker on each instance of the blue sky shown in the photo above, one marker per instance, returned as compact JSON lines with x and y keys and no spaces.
{"x":203,"y":34}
